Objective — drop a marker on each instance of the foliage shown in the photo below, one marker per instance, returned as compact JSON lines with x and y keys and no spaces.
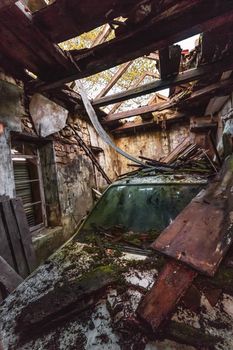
{"x":95,"y":83}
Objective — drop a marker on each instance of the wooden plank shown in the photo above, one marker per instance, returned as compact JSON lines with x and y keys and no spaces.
{"x":14,"y":237}
{"x":5,"y":246}
{"x":169,"y":61}
{"x":181,"y":20}
{"x":24,"y":233}
{"x":134,"y":85}
{"x":221,"y":87}
{"x":141,"y":125}
{"x":157,"y":85}
{"x":176,"y":151}
{"x":115,"y":79}
{"x":8,"y":277}
{"x":202,"y":233}
{"x":65,"y":19}
{"x":110,"y":118}
{"x":173,"y":281}
{"x":37,"y":53}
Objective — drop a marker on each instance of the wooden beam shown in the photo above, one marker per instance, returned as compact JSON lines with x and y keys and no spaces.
{"x":109,"y":119}
{"x":184,"y":77}
{"x":8,"y":277}
{"x":183,"y":19}
{"x":115,"y":79}
{"x":173,"y":281}
{"x":136,"y":84}
{"x":102,"y":36}
{"x":221,"y":87}
{"x":23,"y":43}
{"x":169,"y":61}
{"x":66,"y":19}
{"x":144,"y":125}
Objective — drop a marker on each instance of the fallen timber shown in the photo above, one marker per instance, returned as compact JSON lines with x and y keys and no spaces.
{"x":65,"y":292}
{"x":199,"y":237}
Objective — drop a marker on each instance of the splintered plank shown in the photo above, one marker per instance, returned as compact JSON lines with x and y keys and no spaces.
{"x":8,"y":277}
{"x":5,"y":250}
{"x":24,"y":233}
{"x":173,"y":281}
{"x":202,"y":233}
{"x":11,"y":228}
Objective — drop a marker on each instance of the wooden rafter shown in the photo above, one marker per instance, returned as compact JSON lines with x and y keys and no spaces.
{"x":136,"y":84}
{"x":180,"y":21}
{"x":115,"y":79}
{"x":149,"y":125}
{"x":184,"y":77}
{"x":221,"y":87}
{"x":65,"y":19}
{"x":102,"y":36}
{"x":24,"y":44}
{"x":110,"y":118}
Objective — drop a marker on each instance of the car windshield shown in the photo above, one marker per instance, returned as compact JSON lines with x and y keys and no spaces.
{"x":140,"y":208}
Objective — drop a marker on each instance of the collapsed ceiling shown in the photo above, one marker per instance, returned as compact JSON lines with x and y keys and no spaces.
{"x":30,"y":51}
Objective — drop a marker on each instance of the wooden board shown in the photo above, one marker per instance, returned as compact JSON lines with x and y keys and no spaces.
{"x":5,"y":250}
{"x":202,"y":233}
{"x":14,"y":238}
{"x":24,"y":233}
{"x":172,"y":283}
{"x":8,"y":277}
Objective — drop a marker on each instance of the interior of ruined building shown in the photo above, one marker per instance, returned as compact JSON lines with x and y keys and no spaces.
{"x":116,"y":167}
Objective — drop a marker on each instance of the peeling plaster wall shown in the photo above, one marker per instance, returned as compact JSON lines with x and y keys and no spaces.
{"x":108,"y":159}
{"x":75,"y":180}
{"x":10,"y":109}
{"x":152,"y":144}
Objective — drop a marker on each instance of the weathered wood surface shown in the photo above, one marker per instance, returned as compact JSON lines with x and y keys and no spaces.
{"x":141,"y":125}
{"x":115,"y":79}
{"x":14,"y":238}
{"x":24,"y":43}
{"x":202,"y":233}
{"x":221,"y":87}
{"x":66,"y":19}
{"x":169,"y":61}
{"x":169,"y":26}
{"x":176,"y":151}
{"x":5,"y":250}
{"x":24,"y":232}
{"x":8,"y":277}
{"x":172,"y":283}
{"x":16,"y":241}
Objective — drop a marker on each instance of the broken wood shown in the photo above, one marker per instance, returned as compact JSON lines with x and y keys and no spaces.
{"x":173,"y":281}
{"x":143,"y":125}
{"x":202,"y":233}
{"x":151,"y":35}
{"x":157,"y":85}
{"x":115,"y":79}
{"x":9,"y":279}
{"x":91,"y":155}
{"x":24,"y":233}
{"x":169,"y":61}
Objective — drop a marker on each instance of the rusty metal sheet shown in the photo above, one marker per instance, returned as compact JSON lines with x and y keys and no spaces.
{"x":202,"y":233}
{"x":160,"y":301}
